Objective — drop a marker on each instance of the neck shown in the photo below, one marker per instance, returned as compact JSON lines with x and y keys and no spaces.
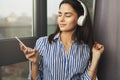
{"x":67,"y":37}
{"x":67,"y":40}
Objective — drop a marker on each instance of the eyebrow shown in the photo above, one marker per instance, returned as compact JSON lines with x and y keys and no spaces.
{"x":65,"y":12}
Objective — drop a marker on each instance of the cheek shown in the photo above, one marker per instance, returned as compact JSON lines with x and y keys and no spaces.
{"x":72,"y":22}
{"x":58,"y":20}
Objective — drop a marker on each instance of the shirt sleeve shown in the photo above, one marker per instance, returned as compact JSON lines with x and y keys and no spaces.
{"x":40,"y":70}
{"x":29,"y":77}
{"x":85,"y":76}
{"x":39,"y":46}
{"x":37,"y":78}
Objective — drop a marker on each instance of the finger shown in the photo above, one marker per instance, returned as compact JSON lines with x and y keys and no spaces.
{"x":22,"y":47}
{"x":95,"y":45}
{"x":102,"y":48}
{"x":26,"y":51}
{"x":99,"y":46}
{"x":31,"y":55}
{"x":30,"y":50}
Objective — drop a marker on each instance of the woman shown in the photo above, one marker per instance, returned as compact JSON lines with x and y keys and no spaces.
{"x":70,"y":53}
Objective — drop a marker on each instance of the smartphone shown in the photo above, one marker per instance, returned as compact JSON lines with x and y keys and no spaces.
{"x":25,"y":47}
{"x":20,"y":41}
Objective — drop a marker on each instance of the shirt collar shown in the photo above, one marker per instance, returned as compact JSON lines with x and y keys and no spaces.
{"x":57,"y":37}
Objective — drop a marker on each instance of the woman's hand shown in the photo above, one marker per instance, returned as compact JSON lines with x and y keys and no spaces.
{"x":31,"y":54}
{"x":97,"y":51}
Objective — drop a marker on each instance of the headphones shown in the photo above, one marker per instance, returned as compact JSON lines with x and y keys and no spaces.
{"x":82,"y":18}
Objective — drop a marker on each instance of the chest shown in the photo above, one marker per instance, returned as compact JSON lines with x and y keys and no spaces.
{"x":56,"y":61}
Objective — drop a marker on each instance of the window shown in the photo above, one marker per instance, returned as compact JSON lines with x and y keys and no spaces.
{"x":28,"y":33}
{"x":52,"y":7}
{"x":10,"y":54}
{"x":90,"y":4}
{"x":16,"y":18}
{"x":17,"y":71}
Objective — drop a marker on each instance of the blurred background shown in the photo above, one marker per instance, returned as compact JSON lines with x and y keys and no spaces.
{"x":17,"y":18}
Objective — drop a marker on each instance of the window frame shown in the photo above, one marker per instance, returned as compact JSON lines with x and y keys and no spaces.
{"x":10,"y":52}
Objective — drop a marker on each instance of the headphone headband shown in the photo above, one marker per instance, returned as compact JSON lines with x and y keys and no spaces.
{"x":82,"y":18}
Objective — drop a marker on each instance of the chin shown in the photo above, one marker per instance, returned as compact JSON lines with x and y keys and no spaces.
{"x":63,"y":30}
{"x":66,"y":30}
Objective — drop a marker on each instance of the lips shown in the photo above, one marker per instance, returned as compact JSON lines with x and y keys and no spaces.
{"x":62,"y":25}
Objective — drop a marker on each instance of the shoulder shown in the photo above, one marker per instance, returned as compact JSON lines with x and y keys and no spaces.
{"x":42,"y":41}
{"x":83,"y":45}
{"x":86,"y":47}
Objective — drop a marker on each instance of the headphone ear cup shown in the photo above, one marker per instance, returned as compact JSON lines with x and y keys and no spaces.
{"x":81,"y":20}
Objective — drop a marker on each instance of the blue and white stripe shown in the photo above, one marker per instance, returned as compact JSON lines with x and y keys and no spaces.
{"x":56,"y":65}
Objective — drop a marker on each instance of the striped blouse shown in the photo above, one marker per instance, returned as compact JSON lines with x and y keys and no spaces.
{"x":55,"y":64}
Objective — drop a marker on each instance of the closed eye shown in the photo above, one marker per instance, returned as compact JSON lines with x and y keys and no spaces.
{"x":67,"y":14}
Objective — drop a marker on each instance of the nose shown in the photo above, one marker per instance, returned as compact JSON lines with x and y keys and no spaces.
{"x":62,"y":18}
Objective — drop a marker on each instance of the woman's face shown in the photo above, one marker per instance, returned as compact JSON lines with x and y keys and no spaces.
{"x":67,"y":18}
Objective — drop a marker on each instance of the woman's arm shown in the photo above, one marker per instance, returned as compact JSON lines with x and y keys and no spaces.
{"x":97,"y":51}
{"x":33,"y":56}
{"x":91,"y":71}
{"x":34,"y":71}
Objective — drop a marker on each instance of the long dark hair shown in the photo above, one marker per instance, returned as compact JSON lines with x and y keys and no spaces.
{"x":82,"y":33}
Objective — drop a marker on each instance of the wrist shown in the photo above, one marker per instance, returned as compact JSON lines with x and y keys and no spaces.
{"x":92,"y":74}
{"x":93,"y":65}
{"x":34,"y":71}
{"x":95,"y":61}
{"x":34,"y":66}
{"x":96,"y":57}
